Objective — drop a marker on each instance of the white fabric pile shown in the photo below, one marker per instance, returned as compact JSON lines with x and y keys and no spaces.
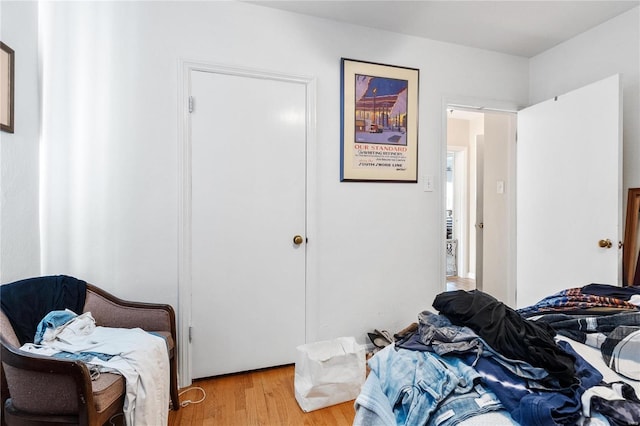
{"x":139,"y":356}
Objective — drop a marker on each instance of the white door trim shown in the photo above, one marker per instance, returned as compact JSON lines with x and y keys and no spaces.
{"x":185,"y":68}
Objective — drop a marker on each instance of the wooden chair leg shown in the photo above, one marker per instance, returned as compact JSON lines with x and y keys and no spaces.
{"x":173,"y":387}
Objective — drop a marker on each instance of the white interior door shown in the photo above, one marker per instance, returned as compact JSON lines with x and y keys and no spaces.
{"x":568,"y":187}
{"x":248,"y":142}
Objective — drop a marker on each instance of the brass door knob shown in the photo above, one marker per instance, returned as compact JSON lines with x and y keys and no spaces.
{"x":605,"y":243}
{"x":297,"y":240}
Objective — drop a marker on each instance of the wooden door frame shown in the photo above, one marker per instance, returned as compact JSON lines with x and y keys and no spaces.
{"x":185,"y":68}
{"x":630,"y":257}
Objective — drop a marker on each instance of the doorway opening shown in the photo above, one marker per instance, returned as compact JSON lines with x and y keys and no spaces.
{"x":481,"y":150}
{"x":461,"y":210}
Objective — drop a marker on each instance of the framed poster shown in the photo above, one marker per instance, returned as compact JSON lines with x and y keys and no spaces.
{"x":7,"y":77}
{"x":379,"y":122}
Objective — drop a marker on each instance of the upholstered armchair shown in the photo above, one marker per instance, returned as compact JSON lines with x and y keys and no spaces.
{"x":40,"y":389}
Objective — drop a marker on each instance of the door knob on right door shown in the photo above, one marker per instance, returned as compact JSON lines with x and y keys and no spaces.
{"x":605,"y":243}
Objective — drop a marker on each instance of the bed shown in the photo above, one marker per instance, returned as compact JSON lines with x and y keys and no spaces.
{"x":571,"y":359}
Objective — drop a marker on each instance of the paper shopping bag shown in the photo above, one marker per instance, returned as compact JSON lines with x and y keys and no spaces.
{"x":329,"y":372}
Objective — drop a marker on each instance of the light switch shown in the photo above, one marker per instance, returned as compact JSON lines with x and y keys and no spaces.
{"x":428,"y":183}
{"x":500,"y":187}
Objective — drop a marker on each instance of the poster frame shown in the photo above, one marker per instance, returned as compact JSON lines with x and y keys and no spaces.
{"x":379,"y":129}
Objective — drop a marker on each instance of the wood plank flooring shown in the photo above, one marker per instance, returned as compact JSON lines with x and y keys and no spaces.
{"x":262,"y":397}
{"x":459,"y":283}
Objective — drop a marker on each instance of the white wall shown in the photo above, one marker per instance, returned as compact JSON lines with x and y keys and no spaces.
{"x":610,"y":48}
{"x":110,"y":144}
{"x":19,"y":235}
{"x":499,"y":224}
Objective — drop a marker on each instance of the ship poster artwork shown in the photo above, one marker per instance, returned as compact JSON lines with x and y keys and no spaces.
{"x":379,"y":111}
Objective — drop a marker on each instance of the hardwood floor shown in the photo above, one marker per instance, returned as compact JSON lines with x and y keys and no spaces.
{"x":263,"y":397}
{"x":458,"y":283}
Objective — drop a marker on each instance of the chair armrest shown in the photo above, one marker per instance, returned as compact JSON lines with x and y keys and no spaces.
{"x":111,"y":311}
{"x":34,"y":380}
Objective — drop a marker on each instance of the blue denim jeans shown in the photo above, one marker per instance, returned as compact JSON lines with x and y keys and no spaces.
{"x":468,"y":399}
{"x":419,"y":384}
{"x":531,"y":403}
{"x":52,"y":320}
{"x":439,"y":335}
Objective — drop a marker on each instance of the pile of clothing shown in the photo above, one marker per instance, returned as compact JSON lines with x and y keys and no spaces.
{"x":478,"y":357}
{"x":601,"y":299}
{"x":139,"y":356}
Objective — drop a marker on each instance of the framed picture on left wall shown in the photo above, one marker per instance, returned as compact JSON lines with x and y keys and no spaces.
{"x":7,"y":83}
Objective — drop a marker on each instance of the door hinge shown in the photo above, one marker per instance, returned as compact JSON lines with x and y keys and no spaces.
{"x":190,"y":104}
{"x":190,"y":329}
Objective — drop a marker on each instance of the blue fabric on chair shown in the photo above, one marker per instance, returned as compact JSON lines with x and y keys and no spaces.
{"x":26,"y":302}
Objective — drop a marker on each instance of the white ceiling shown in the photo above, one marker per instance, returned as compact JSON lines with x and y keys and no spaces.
{"x":522,"y":28}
